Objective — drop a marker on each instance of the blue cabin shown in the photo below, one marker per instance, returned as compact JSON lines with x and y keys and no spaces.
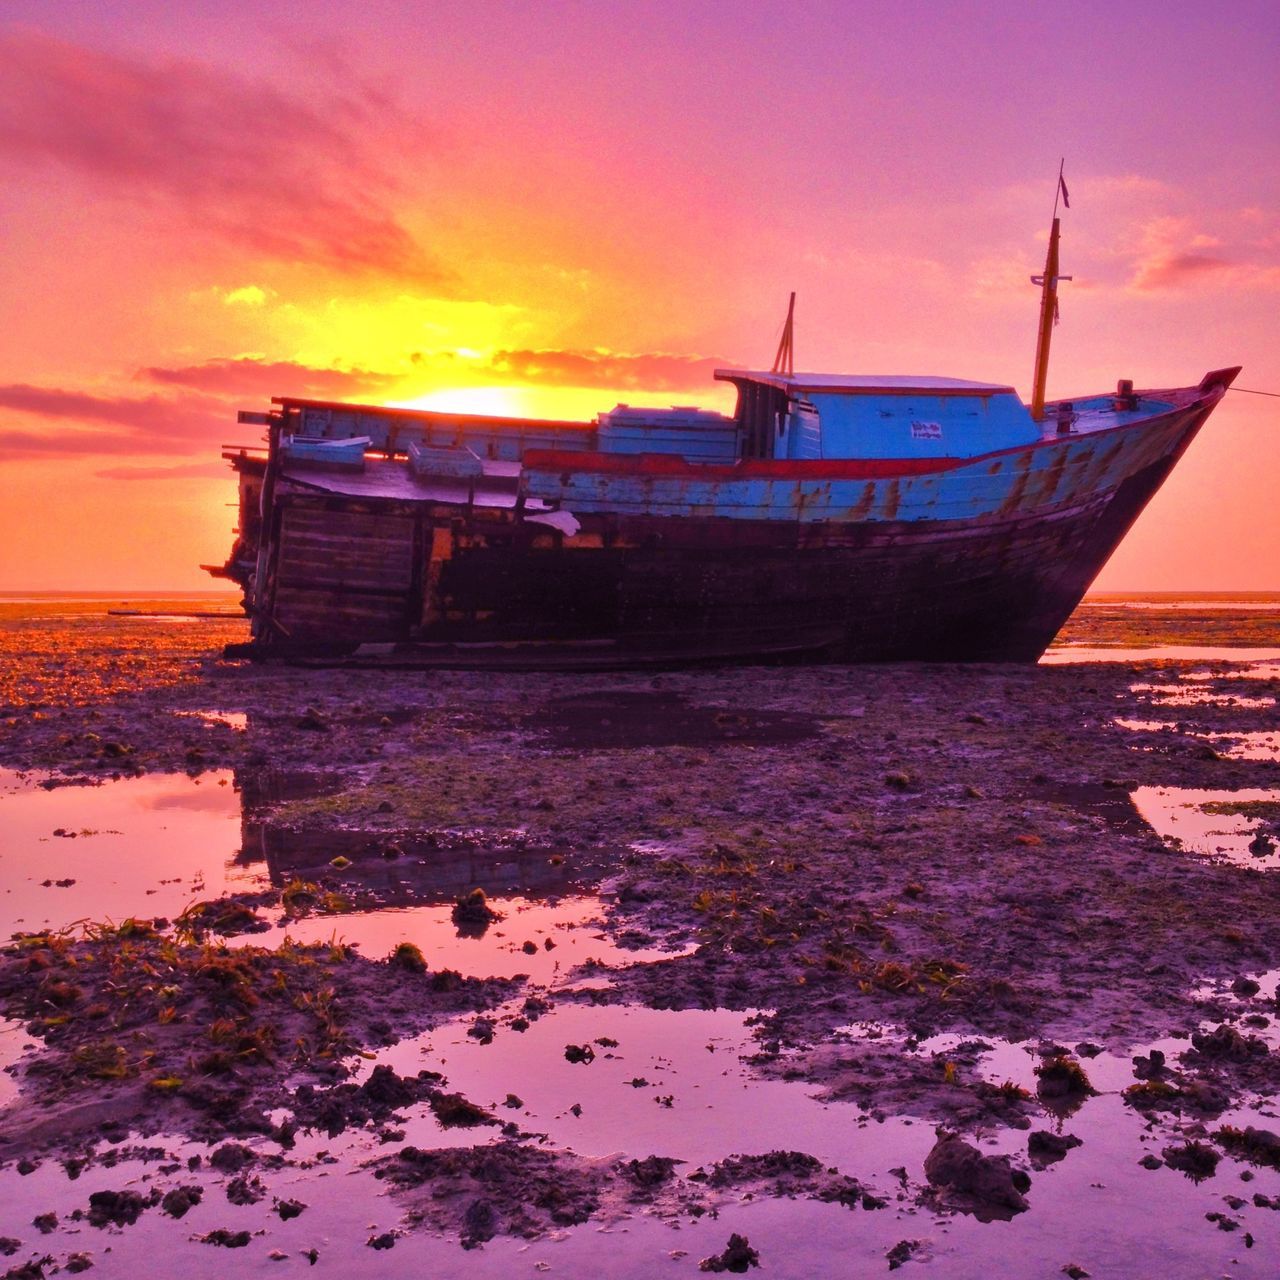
{"x":812,"y":416}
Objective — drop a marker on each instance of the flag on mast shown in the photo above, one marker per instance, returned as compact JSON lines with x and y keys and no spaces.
{"x":1062,"y":187}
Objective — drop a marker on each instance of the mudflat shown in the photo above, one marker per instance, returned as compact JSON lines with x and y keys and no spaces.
{"x":926,"y":965}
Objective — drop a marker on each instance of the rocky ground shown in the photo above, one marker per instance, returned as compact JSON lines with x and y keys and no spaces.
{"x":944,"y":850}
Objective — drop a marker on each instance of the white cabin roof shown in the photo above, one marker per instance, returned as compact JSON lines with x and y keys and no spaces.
{"x":862,"y":382}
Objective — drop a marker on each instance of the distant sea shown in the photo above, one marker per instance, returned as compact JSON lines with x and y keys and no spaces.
{"x":1182,"y":600}
{"x":231,"y":597}
{"x":1127,"y":599}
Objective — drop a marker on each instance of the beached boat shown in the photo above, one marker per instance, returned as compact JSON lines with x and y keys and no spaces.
{"x":830,"y":517}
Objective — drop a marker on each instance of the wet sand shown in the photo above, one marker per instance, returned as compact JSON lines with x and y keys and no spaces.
{"x":753,"y":939}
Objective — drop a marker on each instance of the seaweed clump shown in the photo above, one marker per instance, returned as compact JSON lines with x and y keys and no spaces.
{"x":1063,"y":1080}
{"x":472,"y":912}
{"x":1260,"y":1146}
{"x":408,"y":957}
{"x":215,"y":1027}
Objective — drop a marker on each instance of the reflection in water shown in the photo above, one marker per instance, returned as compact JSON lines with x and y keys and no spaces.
{"x":544,"y":941}
{"x":698,"y":1101}
{"x":237,"y":720}
{"x":1254,"y":671}
{"x":674,"y":1083}
{"x":152,"y":846}
{"x":1197,"y":693}
{"x":1186,"y":652}
{"x":142,"y":846}
{"x":14,"y":1040}
{"x":1248,"y":745}
{"x":1204,"y":822}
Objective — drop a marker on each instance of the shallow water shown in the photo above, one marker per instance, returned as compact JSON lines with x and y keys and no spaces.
{"x":1094,"y":1208}
{"x":14,"y":1042}
{"x":237,"y":720}
{"x":1259,"y":744}
{"x":1265,"y":670}
{"x":1183,"y":603}
{"x":1173,"y":652}
{"x":1178,"y":814}
{"x":145,"y":846}
{"x":1191,"y":693}
{"x":152,"y":846}
{"x":572,"y":925}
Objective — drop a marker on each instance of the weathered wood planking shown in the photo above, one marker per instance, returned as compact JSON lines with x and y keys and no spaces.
{"x":317,"y":613}
{"x":346,"y":549}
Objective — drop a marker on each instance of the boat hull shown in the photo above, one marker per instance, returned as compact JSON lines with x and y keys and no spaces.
{"x":981,"y":562}
{"x":989,"y":591}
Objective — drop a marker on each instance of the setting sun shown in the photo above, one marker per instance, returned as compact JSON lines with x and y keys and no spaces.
{"x":495,"y":402}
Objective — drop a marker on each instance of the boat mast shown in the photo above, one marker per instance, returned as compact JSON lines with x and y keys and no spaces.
{"x":784,"y":361}
{"x":1048,"y":303}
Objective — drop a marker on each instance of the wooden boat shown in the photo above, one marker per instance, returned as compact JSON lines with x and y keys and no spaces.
{"x":830,"y":518}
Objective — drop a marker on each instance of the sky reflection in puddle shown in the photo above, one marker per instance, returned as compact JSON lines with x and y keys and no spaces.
{"x":1068,"y":653}
{"x":1178,"y":813}
{"x":14,"y":1041}
{"x":1094,"y":1207}
{"x":1247,"y":745}
{"x":698,"y":1103}
{"x":1192,"y":694}
{"x":237,"y":720}
{"x":1097,"y":1207}
{"x":573,"y":925}
{"x":1250,"y":746}
{"x":1253,"y":671}
{"x":139,"y":846}
{"x":152,"y":846}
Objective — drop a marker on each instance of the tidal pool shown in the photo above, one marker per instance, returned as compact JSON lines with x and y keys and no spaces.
{"x":1187,"y":815}
{"x":1069,"y":653}
{"x":145,"y":846}
{"x":700,"y":1102}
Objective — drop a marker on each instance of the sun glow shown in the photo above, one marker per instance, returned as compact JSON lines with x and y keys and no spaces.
{"x":493,"y":402}
{"x":563,"y":404}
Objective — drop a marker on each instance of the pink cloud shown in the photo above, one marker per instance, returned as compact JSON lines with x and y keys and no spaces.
{"x":195,"y":417}
{"x":245,"y":376}
{"x":149,"y":425}
{"x":1167,"y":271}
{"x":238,"y":159}
{"x":1173,"y":253}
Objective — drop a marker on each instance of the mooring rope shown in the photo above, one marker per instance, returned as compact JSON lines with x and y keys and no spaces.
{"x":1274,"y":394}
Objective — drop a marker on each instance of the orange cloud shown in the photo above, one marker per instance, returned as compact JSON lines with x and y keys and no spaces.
{"x":234,"y":158}
{"x":650,"y":371}
{"x":198,"y":417}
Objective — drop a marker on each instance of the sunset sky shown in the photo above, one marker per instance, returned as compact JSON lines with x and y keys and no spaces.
{"x":546,"y":208}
